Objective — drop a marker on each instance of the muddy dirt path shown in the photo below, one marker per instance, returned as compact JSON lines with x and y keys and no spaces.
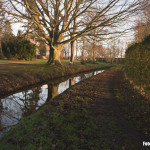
{"x":114,"y":131}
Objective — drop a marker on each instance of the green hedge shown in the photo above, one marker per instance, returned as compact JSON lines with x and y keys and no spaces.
{"x":137,"y":63}
{"x":18,"y":48}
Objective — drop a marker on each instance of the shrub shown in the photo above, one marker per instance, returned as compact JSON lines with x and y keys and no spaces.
{"x":8,"y":47}
{"x":19,"y":48}
{"x":137,"y":62}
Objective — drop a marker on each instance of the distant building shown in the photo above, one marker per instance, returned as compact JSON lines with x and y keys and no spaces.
{"x":33,"y":39}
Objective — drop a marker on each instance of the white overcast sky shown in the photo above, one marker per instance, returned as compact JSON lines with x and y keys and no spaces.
{"x":16,"y":27}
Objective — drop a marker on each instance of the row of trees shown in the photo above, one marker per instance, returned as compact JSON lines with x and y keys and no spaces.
{"x":142,"y":27}
{"x":63,"y":21}
{"x":87,"y":49}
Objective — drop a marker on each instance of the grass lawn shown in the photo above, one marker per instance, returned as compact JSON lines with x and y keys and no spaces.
{"x":34,"y":61}
{"x":39,"y":65}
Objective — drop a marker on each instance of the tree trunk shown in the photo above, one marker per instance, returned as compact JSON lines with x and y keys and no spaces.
{"x":52,"y":91}
{"x":51,"y":55}
{"x":1,"y":52}
{"x":72,"y":52}
{"x":82,"y":53}
{"x":72,"y":61}
{"x":70,"y":82}
{"x":54,"y":56}
{"x":76,"y":50}
{"x":94,"y":52}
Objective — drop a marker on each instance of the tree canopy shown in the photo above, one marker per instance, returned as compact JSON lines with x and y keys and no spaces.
{"x":53,"y":20}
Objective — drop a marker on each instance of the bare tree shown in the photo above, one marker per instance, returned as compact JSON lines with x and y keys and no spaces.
{"x":72,"y":60}
{"x":1,"y":26}
{"x":83,"y":50}
{"x":1,"y":52}
{"x":142,"y":28}
{"x":53,"y":19}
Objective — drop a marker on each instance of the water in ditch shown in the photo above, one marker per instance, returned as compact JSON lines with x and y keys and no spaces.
{"x":21,"y":104}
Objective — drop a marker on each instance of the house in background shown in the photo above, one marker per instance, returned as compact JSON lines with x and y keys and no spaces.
{"x":41,"y":47}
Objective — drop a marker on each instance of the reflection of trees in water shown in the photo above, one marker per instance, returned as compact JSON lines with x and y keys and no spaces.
{"x":64,"y":85}
{"x":23,"y":103}
{"x":70,"y":82}
{"x":30,"y":100}
{"x":82,"y":77}
{"x":53,"y":88}
{"x":1,"y":108}
{"x":52,"y":91}
{"x":16,"y":106}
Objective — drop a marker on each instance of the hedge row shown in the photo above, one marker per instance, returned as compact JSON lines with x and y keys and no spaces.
{"x":137,"y":63}
{"x":19,"y":48}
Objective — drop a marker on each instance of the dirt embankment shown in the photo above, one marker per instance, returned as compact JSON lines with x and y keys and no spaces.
{"x":13,"y":81}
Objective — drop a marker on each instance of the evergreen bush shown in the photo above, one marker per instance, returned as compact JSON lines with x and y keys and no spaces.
{"x":137,"y":63}
{"x":19,"y":48}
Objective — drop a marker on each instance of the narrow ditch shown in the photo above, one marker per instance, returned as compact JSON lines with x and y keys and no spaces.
{"x":21,"y":104}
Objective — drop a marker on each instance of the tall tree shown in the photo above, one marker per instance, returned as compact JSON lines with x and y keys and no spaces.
{"x":142,"y":28}
{"x":72,"y":59}
{"x":7,"y":29}
{"x":1,"y":32}
{"x":53,"y":19}
{"x":1,"y":52}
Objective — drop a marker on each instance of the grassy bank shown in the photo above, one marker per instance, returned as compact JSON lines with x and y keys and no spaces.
{"x":39,"y":65}
{"x":34,"y":66}
{"x":19,"y":74}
